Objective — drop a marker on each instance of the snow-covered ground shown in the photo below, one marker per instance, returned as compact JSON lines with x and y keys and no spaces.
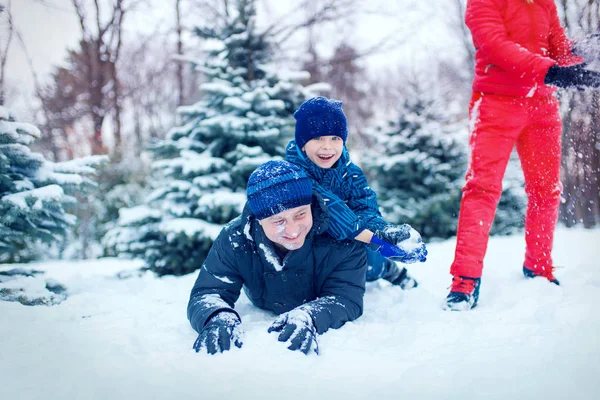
{"x":129,"y":338}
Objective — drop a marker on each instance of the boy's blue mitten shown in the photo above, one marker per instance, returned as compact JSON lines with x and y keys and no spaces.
{"x":386,"y":249}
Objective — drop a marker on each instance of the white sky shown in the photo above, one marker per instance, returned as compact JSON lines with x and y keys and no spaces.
{"x":46,"y":32}
{"x":50,"y":28}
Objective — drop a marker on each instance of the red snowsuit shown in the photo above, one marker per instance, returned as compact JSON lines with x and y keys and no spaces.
{"x":516,"y":42}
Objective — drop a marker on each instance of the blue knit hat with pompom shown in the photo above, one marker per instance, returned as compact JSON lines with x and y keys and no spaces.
{"x":320,"y":116}
{"x":277,"y":186}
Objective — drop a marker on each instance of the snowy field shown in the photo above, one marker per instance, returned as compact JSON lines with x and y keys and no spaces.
{"x":130,"y":339}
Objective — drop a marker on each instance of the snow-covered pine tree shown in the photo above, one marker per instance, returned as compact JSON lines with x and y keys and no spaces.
{"x":510,"y":214}
{"x":201,"y":169}
{"x":418,"y":169}
{"x":34,"y":192}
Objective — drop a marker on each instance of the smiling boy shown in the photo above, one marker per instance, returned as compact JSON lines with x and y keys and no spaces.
{"x":319,"y":149}
{"x":324,"y":151}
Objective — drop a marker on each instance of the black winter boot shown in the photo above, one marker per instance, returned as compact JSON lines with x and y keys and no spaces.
{"x":463,"y":295}
{"x":547,"y":273}
{"x":399,"y":276}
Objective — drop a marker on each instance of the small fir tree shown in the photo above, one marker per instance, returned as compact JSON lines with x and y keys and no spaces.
{"x":419,"y":167}
{"x":200,"y":170}
{"x":34,"y":192}
{"x":510,"y":214}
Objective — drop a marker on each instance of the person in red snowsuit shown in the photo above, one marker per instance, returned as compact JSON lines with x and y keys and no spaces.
{"x":522,"y":55}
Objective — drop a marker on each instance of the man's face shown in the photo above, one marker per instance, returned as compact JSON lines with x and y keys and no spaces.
{"x":289,"y":228}
{"x":324,"y":151}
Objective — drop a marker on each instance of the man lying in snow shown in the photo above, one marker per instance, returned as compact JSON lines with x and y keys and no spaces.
{"x":279,"y":251}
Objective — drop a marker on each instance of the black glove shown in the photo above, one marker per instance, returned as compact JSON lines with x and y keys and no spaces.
{"x":219,"y":331}
{"x":296,"y":326}
{"x":573,"y":76}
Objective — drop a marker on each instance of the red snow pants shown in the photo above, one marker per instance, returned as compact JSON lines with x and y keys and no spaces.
{"x":497,"y":124}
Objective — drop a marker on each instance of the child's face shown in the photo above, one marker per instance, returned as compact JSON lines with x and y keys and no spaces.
{"x":324,"y":151}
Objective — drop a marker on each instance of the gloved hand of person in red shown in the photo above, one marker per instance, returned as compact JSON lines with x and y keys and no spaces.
{"x":572,"y":76}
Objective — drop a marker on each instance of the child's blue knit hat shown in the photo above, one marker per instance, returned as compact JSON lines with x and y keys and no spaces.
{"x":277,"y":186}
{"x":320,"y":116}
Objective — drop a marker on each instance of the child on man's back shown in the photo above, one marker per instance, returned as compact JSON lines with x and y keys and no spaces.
{"x":319,"y":148}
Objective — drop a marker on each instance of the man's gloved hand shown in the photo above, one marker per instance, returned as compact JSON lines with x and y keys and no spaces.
{"x":400,"y":243}
{"x":219,"y":332}
{"x":573,"y":76}
{"x":297,"y":328}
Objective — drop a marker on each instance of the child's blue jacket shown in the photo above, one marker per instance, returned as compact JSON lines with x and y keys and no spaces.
{"x":351,"y":203}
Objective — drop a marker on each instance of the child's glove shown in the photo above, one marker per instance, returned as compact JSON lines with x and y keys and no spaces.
{"x":418,"y":253}
{"x":386,"y":249}
{"x":219,"y":332}
{"x":409,"y":247}
{"x":395,"y":234}
{"x":297,"y":328}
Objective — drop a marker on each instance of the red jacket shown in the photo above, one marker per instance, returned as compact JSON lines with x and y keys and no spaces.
{"x":516,"y":42}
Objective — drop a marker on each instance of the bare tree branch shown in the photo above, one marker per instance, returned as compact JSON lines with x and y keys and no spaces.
{"x":98,"y":23}
{"x":53,"y":6}
{"x":36,"y":84}
{"x":4,"y":53}
{"x":332,"y":11}
{"x":465,"y":35}
{"x":179,"y":29}
{"x":80,"y":10}
{"x":115,"y":24}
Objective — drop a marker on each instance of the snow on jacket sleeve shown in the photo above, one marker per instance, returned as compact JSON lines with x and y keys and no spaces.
{"x":341,"y":297}
{"x":360,"y":212}
{"x":485,"y":21}
{"x":218,"y":285}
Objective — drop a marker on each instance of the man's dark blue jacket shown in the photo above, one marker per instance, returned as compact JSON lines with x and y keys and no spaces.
{"x":325,"y":277}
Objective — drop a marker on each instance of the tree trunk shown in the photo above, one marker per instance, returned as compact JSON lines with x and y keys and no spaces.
{"x":97,"y":143}
{"x":118,"y":150}
{"x":181,"y":97}
{"x":4,"y":51}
